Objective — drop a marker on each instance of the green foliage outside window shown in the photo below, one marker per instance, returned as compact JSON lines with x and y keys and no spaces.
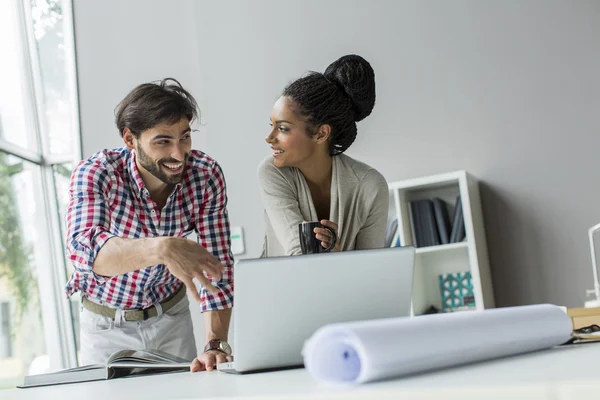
{"x":14,"y":254}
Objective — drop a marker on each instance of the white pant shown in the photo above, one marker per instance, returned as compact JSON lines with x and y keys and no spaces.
{"x":171,"y":332}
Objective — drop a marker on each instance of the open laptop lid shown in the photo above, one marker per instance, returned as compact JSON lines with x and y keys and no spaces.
{"x":281,"y":301}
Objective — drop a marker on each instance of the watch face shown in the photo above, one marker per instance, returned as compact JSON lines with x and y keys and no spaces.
{"x":220,"y":345}
{"x":224,"y":346}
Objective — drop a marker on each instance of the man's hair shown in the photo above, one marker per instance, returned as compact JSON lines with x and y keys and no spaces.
{"x":155,"y":103}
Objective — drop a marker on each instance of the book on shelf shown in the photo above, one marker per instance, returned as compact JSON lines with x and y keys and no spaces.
{"x":121,"y":364}
{"x":417,"y":240}
{"x":442,"y":220}
{"x":392,"y":232}
{"x":430,"y":223}
{"x":412,"y":223}
{"x":423,"y":220}
{"x":458,"y":223}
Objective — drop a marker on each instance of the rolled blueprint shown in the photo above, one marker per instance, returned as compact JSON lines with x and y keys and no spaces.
{"x":358,"y":352}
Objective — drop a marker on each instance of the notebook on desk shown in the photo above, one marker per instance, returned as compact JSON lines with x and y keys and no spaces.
{"x":120,"y":364}
{"x":281,"y":301}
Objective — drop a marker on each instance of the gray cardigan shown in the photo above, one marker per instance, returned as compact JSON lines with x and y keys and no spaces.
{"x":359,"y":205}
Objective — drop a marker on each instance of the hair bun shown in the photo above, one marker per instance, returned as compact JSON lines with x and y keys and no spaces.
{"x":356,"y":77}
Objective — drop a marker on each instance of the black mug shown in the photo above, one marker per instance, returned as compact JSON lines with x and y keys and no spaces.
{"x":308,"y":239}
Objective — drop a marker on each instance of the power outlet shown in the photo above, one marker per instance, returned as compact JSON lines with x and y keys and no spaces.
{"x":237,"y":240}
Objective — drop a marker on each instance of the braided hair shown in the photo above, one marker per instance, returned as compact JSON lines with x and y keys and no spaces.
{"x":341,"y":96}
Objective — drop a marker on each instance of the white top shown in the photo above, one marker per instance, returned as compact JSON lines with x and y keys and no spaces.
{"x":566,"y":372}
{"x":359,"y":205}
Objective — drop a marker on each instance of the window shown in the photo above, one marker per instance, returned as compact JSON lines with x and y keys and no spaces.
{"x":39,"y":144}
{"x":5,"y":333}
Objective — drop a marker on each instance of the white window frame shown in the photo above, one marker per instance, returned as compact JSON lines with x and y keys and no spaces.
{"x":55,"y":307}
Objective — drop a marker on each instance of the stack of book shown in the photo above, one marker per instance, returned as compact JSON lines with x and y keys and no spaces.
{"x":430,"y":223}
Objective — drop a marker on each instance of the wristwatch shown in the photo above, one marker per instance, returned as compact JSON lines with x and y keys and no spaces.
{"x":218,"y":344}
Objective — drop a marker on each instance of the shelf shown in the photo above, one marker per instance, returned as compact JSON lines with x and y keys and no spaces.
{"x":435,"y":181}
{"x":469,"y":255}
{"x":445,"y":312}
{"x":442,"y":247}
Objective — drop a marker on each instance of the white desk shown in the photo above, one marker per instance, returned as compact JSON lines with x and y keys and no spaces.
{"x":568,"y":372}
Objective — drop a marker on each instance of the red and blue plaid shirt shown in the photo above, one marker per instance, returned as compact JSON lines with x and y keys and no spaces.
{"x":108,"y":198}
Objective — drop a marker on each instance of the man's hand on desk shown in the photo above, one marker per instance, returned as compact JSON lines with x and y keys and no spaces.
{"x":208,"y":360}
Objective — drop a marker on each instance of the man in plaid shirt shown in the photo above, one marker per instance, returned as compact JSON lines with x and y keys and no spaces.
{"x":129,"y":213}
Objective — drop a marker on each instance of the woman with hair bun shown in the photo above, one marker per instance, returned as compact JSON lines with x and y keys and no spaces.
{"x":308,"y":178}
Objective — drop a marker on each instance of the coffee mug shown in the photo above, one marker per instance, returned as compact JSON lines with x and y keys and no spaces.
{"x":308,"y":239}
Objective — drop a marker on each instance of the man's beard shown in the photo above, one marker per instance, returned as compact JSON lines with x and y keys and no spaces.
{"x":156,"y":167}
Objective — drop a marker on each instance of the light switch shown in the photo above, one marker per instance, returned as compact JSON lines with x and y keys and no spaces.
{"x":237,"y":240}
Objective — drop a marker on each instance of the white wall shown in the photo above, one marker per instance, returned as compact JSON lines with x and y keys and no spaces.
{"x":121,"y":44}
{"x":508,"y":90}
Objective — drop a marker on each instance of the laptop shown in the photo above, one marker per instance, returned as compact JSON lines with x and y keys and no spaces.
{"x":281,"y":301}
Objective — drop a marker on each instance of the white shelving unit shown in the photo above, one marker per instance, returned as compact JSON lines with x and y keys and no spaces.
{"x":468,"y":255}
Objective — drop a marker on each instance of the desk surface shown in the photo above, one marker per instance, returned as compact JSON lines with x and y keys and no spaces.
{"x":567,"y":372}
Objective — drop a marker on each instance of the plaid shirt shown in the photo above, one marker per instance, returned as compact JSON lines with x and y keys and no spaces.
{"x":108,"y":198}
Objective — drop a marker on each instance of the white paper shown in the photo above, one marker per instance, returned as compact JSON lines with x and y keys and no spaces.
{"x":358,"y":352}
